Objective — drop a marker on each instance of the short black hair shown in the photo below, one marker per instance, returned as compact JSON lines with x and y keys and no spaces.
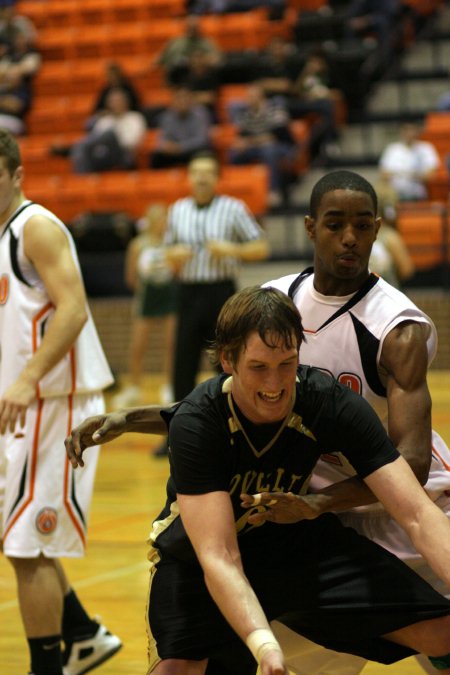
{"x":340,"y":180}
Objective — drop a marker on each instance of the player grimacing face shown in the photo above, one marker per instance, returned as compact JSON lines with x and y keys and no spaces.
{"x":343,"y":233}
{"x":264,"y":379}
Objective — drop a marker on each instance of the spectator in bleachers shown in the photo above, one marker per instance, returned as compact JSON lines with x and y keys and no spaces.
{"x":276,"y":7}
{"x":407,"y":164}
{"x":264,"y":137}
{"x":312,"y":92}
{"x":113,"y":138}
{"x":175,"y":56}
{"x":278,"y":67}
{"x":203,"y":80}
{"x":12,"y":23}
{"x":374,"y":20}
{"x":307,"y":91}
{"x":184,"y":130}
{"x":390,"y":257}
{"x":115,"y":77}
{"x":19,"y":64}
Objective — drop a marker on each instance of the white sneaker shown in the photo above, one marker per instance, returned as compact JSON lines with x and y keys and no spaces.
{"x":129,"y":396}
{"x":85,"y":655}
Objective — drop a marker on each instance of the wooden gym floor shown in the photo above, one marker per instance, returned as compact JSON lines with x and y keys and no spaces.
{"x":112,"y":579}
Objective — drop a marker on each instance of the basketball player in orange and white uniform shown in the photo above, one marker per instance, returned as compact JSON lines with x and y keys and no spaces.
{"x":373,"y":339}
{"x":52,"y":373}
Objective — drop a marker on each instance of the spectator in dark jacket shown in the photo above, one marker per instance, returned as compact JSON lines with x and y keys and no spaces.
{"x":264,"y":136}
{"x":183,"y":131}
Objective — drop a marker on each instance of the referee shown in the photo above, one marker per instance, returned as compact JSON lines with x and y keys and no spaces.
{"x":208,"y":235}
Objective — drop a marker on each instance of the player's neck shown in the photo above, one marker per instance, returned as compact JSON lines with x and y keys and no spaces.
{"x":328,"y":285}
{"x":14,"y":204}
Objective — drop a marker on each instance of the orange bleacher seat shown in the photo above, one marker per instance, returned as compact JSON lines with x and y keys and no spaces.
{"x":51,"y":14}
{"x":307,"y":5}
{"x":439,"y":184}
{"x":143,"y":10}
{"x":228,"y":95}
{"x":164,"y":185}
{"x":249,"y":183}
{"x":159,"y":97}
{"x":436,"y":130}
{"x":59,"y":114}
{"x":438,"y":121}
{"x":109,"y":40}
{"x":159,"y":33}
{"x":246,"y":30}
{"x":146,"y":147}
{"x":422,"y":226}
{"x":44,"y":190}
{"x":41,"y":163}
{"x":301,"y":130}
{"x":86,"y":75}
{"x":68,"y":195}
{"x":56,"y":43}
{"x":222,"y":137}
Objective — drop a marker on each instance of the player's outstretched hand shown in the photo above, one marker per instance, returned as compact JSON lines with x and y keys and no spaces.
{"x":281,"y":507}
{"x":94,"y":430}
{"x":272,"y":663}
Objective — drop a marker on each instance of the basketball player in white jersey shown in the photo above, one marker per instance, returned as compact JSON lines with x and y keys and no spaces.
{"x":52,"y":373}
{"x":372,"y":338}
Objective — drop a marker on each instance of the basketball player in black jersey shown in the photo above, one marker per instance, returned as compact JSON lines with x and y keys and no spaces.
{"x":261,"y":426}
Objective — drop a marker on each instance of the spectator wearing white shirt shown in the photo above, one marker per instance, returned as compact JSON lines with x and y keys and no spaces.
{"x":408,"y":163}
{"x":113,"y":138}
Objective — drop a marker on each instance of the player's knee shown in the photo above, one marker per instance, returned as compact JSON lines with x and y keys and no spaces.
{"x":28,"y":566}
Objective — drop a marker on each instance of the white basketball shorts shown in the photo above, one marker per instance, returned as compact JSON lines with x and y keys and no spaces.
{"x":44,"y":502}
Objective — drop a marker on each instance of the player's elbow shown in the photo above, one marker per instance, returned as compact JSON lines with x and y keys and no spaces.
{"x":421,"y":468}
{"x":79,"y":316}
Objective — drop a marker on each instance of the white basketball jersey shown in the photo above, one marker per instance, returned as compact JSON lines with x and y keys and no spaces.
{"x":25,"y":312}
{"x":344,"y":337}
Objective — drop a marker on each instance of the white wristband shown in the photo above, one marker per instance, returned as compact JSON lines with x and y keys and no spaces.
{"x":261,"y":641}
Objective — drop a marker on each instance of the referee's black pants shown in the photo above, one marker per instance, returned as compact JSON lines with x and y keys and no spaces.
{"x":199,"y":306}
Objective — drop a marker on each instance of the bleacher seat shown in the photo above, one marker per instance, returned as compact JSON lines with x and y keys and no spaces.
{"x":424,"y":229}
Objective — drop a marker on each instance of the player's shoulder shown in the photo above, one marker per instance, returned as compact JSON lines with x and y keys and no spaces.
{"x":388,"y":300}
{"x":282,"y":283}
{"x":182,"y":203}
{"x":314,"y":379}
{"x":230,"y":202}
{"x":205,"y":401}
{"x":322,"y":398}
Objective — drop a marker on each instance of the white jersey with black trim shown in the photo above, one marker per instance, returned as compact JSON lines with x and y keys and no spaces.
{"x":25,"y":312}
{"x":344,"y":337}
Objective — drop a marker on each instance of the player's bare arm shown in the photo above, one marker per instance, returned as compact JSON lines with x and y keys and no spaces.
{"x":280,"y":507}
{"x":47,"y":247}
{"x":404,"y":498}
{"x":209,"y":523}
{"x":404,"y":362}
{"x":257,"y":249}
{"x":101,"y":429}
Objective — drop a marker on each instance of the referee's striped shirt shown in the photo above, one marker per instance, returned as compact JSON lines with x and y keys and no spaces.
{"x":224,"y":218}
